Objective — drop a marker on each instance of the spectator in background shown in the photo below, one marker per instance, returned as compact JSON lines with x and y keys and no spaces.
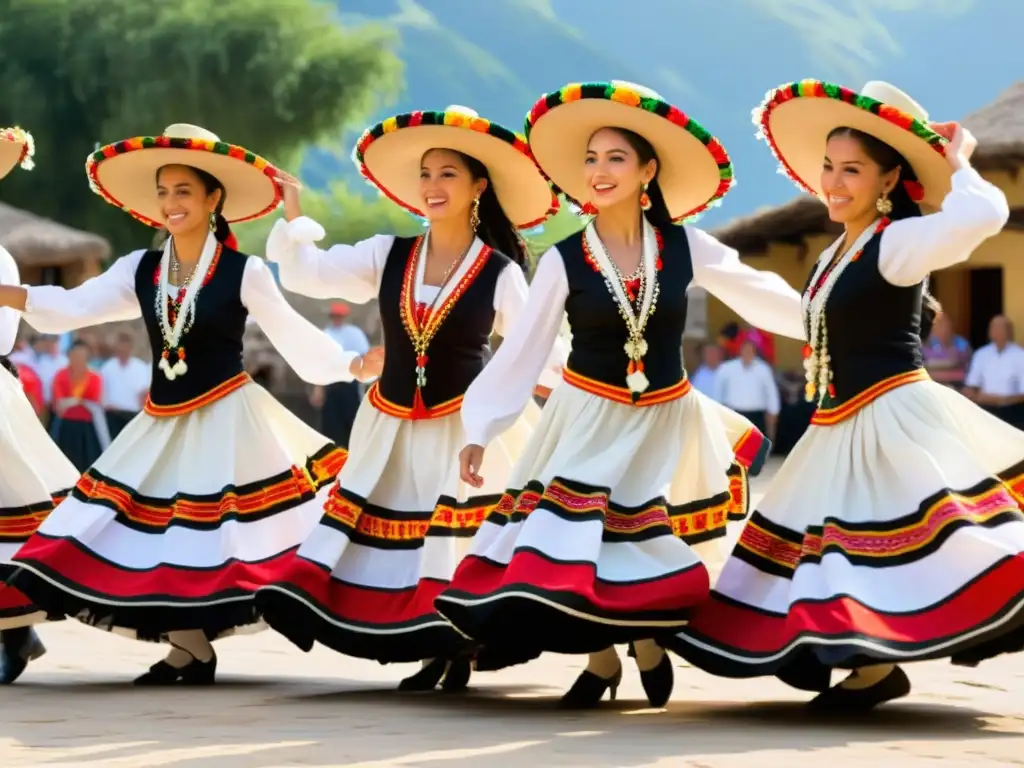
{"x":729,"y":339}
{"x":32,"y":385}
{"x":80,"y":426}
{"x":995,"y":379}
{"x":747,"y":386}
{"x":703,"y":379}
{"x":946,"y":355}
{"x":49,"y":360}
{"x":340,"y":401}
{"x":126,"y":381}
{"x":733,"y":335}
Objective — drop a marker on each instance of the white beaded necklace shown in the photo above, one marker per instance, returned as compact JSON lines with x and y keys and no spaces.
{"x":172,"y":335}
{"x":635,"y":319}
{"x":817,"y":368}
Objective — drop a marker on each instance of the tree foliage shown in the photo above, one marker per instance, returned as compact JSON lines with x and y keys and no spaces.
{"x":564,"y":223}
{"x":272,"y":76}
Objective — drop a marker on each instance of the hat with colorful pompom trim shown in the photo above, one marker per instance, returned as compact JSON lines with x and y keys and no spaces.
{"x":16,"y":148}
{"x":796,"y":119}
{"x":388,"y":155}
{"x":124,"y":173}
{"x":694,"y":170}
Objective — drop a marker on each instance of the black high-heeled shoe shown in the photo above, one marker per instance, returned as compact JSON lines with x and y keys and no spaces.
{"x":17,"y":648}
{"x":198,"y":672}
{"x":657,"y":682}
{"x":588,"y":690}
{"x":456,"y":678}
{"x":838,"y":700}
{"x":427,"y":678}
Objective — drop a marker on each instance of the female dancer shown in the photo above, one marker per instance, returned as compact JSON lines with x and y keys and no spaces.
{"x":80,"y":425}
{"x":893,"y":532}
{"x":364,"y":583}
{"x":35,"y":474}
{"x":200,"y":498}
{"x":628,"y":467}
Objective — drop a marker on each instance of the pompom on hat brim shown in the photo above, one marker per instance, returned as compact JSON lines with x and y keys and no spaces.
{"x":388,"y":155}
{"x":694,"y":173}
{"x":16,"y":148}
{"x":796,"y":119}
{"x":124,"y":173}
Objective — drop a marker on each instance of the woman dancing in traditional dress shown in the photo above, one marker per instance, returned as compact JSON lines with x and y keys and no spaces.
{"x":34,"y":474}
{"x":598,"y":539}
{"x":893,"y":532}
{"x":394,"y":527}
{"x":202,"y":497}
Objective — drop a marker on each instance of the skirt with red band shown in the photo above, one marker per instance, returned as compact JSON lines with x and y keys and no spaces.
{"x":603,"y":534}
{"x":892,"y":533}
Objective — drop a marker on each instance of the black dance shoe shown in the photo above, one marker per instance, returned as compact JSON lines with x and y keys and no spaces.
{"x":839,"y":700}
{"x":200,"y":672}
{"x":17,"y":648}
{"x":456,"y":678}
{"x":196,"y":672}
{"x":657,"y":682}
{"x":588,"y":690}
{"x":159,"y":674}
{"x":427,"y":678}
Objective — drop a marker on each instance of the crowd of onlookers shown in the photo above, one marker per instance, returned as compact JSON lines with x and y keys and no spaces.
{"x":84,"y":390}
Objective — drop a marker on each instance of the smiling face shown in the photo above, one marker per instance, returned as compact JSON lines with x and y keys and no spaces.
{"x":852,"y":182}
{"x":614,"y":171}
{"x":447,"y":186}
{"x":185,"y":202}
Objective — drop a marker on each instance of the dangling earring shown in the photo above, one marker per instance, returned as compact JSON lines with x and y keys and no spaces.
{"x":645,"y":200}
{"x":213,"y":221}
{"x":474,"y":216}
{"x":884,"y":204}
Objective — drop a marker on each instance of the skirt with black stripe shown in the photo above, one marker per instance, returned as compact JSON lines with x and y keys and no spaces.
{"x":182,"y":519}
{"x":395,"y":526}
{"x":601,"y":536}
{"x":34,"y":476}
{"x":892,"y":533}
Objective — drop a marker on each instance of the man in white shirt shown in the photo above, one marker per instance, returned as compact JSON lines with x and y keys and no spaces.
{"x":340,"y":401}
{"x":995,"y":379}
{"x":747,"y":386}
{"x":49,"y":360}
{"x":703,"y":378}
{"x":126,"y":381}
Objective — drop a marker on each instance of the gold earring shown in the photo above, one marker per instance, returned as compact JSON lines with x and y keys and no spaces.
{"x":474,"y":216}
{"x":645,"y":200}
{"x":884,"y":204}
{"x":213,"y":221}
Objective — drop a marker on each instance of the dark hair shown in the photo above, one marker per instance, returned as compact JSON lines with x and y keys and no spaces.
{"x":903,"y":206}
{"x":5,"y":362}
{"x":211,"y":184}
{"x":495,"y":228}
{"x":658,"y":213}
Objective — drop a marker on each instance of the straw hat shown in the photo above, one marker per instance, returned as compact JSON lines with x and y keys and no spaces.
{"x":796,"y":119}
{"x":16,"y":148}
{"x":124,"y":174}
{"x":388,"y":155}
{"x":694,"y":169}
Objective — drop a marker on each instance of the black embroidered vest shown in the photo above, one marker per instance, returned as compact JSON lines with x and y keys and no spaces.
{"x":873,"y":326}
{"x":213,"y":345}
{"x":599,"y":333}
{"x":459,"y":349}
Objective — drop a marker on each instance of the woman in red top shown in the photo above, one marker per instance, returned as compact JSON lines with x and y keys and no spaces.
{"x":77,"y":398}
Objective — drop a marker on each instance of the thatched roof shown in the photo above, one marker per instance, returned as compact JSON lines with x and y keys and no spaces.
{"x":999,"y":128}
{"x":35,"y":241}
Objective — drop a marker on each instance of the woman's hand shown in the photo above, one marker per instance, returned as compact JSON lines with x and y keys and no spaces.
{"x":961,"y":143}
{"x":371,"y":364}
{"x":470,"y":459}
{"x":290,"y":189}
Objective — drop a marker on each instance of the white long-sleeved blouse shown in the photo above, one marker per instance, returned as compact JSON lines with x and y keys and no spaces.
{"x":9,"y":318}
{"x":111,"y":296}
{"x":353,"y":273}
{"x":500,"y":393}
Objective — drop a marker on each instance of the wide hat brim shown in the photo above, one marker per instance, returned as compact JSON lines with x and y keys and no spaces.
{"x":124,"y":174}
{"x":13,"y":146}
{"x":796,"y":119}
{"x":388,"y":155}
{"x":694,"y":169}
